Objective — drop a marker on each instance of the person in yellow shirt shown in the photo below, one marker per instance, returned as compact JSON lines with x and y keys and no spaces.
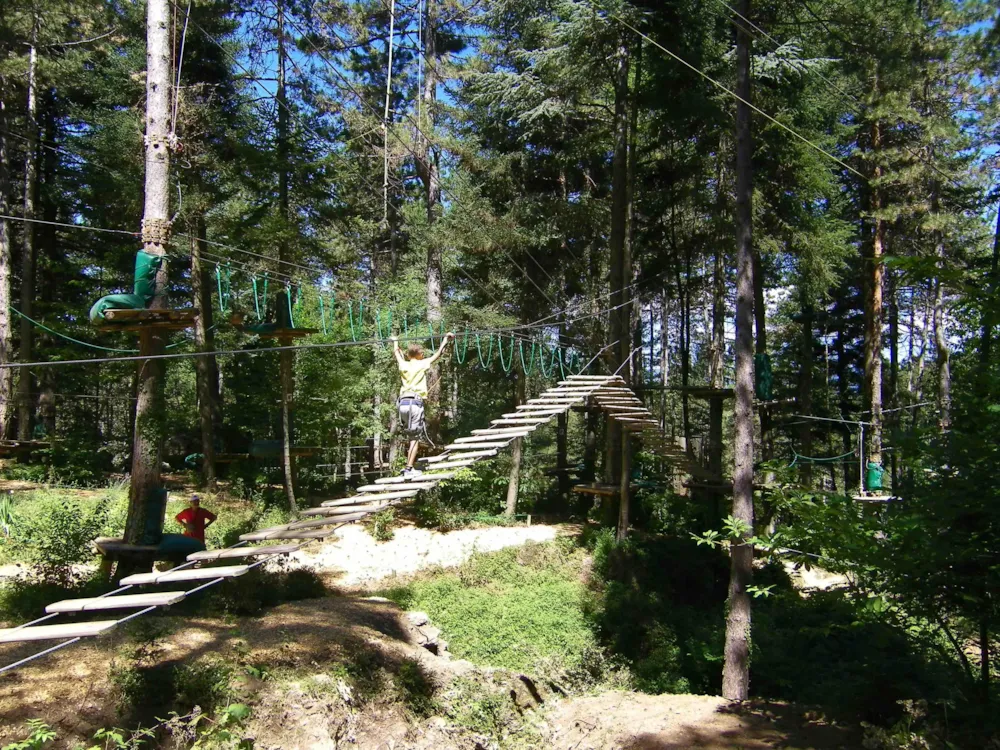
{"x":413,"y":370}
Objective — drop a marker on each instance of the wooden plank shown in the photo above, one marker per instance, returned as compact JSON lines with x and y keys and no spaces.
{"x":124,"y":601}
{"x":607,"y":490}
{"x":315,"y":523}
{"x":400,"y":480}
{"x":299,"y":534}
{"x":417,"y":483}
{"x":503,"y":432}
{"x":521,"y":420}
{"x":239,"y":552}
{"x":531,"y":411}
{"x":462,"y":450}
{"x":186,"y":313}
{"x":456,"y":464}
{"x":397,"y":495}
{"x":56,"y":632}
{"x":344,"y":510}
{"x":189,"y":574}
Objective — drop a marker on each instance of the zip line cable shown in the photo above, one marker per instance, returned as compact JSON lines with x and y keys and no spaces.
{"x":734,"y":95}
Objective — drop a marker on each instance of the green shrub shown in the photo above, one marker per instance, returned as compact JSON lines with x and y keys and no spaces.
{"x":52,"y":532}
{"x":205,"y":683}
{"x":40,"y":734}
{"x":381,"y":525}
{"x":25,"y":597}
{"x":488,"y":713}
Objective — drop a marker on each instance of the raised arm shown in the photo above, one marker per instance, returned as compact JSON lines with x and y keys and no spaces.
{"x":448,"y":338}
{"x":396,"y":350}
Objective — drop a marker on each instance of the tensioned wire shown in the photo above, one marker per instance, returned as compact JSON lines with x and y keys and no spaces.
{"x":292,"y":347}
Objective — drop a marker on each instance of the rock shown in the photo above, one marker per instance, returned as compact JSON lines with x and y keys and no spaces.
{"x":417,"y":618}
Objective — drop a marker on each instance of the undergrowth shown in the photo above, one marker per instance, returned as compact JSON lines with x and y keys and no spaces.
{"x":513,"y":609}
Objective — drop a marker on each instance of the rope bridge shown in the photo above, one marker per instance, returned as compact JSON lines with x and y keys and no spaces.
{"x":609,"y":393}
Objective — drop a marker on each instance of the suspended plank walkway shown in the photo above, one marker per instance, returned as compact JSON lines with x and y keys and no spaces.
{"x":606,"y":392}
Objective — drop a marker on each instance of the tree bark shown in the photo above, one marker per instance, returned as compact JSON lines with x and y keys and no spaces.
{"x":514,"y":482}
{"x":806,"y":387}
{"x":150,"y":413}
{"x":430,"y":175}
{"x":989,"y":316}
{"x":620,"y":276}
{"x":286,"y":358}
{"x":25,"y":405}
{"x":6,"y":345}
{"x":873,"y":306}
{"x":736,"y":671}
{"x":206,"y":371}
{"x":943,"y":356}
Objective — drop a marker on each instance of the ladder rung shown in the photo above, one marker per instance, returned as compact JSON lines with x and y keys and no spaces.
{"x":237,"y":552}
{"x":125,"y":601}
{"x":415,"y":483}
{"x":56,"y":632}
{"x":371,"y":498}
{"x":189,"y":574}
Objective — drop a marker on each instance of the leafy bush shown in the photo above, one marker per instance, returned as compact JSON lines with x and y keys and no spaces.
{"x":416,"y":689}
{"x":25,"y":597}
{"x":303,"y":583}
{"x":488,"y":713}
{"x":381,"y":525}
{"x":53,"y":532}
{"x":40,"y":734}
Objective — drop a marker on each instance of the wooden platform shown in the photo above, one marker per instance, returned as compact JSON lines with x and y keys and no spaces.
{"x":596,"y":488}
{"x":140,"y":320}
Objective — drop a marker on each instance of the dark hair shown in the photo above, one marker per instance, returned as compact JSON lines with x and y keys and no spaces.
{"x":414,"y":351}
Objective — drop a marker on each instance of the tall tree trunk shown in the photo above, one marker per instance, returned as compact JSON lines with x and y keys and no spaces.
{"x":430,"y":175}
{"x":514,"y":483}
{"x":150,"y":410}
{"x":873,"y":305}
{"x":620,"y":334}
{"x":25,"y":405}
{"x":736,"y":671}
{"x":806,"y":386}
{"x":205,"y":367}
{"x":286,"y":357}
{"x":760,"y":348}
{"x":6,"y":347}
{"x":989,"y":316}
{"x":893,"y":369}
{"x":943,"y":356}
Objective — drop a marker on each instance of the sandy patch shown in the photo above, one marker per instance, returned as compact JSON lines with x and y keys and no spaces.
{"x":359,"y":560}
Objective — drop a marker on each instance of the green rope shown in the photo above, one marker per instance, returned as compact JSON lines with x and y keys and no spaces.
{"x":460,"y":358}
{"x":489,"y":353}
{"x":83,"y":343}
{"x":510,"y":362}
{"x":552,"y":361}
{"x":322,"y":314}
{"x":430,"y":330}
{"x":796,"y":457}
{"x":388,"y":325}
{"x":350,"y":317}
{"x":562,"y":370}
{"x":406,"y":326}
{"x":70,"y":338}
{"x":288,"y":297}
{"x":526,"y":368}
{"x":218,"y":283}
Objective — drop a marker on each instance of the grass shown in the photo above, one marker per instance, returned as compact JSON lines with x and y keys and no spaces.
{"x":508,"y":609}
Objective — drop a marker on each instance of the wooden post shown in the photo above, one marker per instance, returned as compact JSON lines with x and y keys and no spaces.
{"x":736,"y":671}
{"x":147,"y":442}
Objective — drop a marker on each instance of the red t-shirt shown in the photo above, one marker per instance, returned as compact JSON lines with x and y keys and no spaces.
{"x":194,"y":522}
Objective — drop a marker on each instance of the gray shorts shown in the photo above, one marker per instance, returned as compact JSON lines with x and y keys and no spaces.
{"x":411,"y":417}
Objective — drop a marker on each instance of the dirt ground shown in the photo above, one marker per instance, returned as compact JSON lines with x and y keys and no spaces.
{"x":356,"y":559}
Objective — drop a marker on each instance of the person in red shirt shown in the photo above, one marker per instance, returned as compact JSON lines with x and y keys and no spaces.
{"x":195,"y":519}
